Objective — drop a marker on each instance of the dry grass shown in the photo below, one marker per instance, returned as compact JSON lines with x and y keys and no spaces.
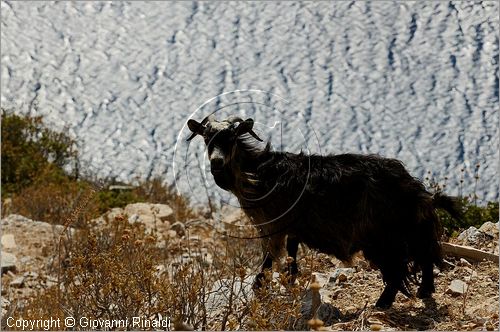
{"x":118,"y":270}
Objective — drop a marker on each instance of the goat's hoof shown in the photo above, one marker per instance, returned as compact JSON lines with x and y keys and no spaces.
{"x":424,"y":293}
{"x":382,"y":305}
{"x":259,"y":281}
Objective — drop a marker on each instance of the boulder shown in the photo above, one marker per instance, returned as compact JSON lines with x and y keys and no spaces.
{"x":115,"y":212}
{"x":162,"y":212}
{"x":219,"y":295}
{"x":457,"y":287}
{"x":474,"y":236}
{"x":153,"y":216}
{"x":8,"y":241}
{"x":326,"y":311}
{"x":490,"y":228}
{"x":8,"y":262}
{"x":17,"y":282}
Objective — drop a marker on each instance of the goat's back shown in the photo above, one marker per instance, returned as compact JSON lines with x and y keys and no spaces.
{"x":341,"y":204}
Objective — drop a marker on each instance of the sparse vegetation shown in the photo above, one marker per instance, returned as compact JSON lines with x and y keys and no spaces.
{"x":33,"y":161}
{"x":474,"y":215}
{"x":118,"y":271}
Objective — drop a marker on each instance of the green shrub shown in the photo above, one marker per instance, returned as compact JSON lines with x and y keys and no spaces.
{"x":29,"y":149}
{"x":473,"y":215}
{"x":33,"y":158}
{"x":108,"y":199}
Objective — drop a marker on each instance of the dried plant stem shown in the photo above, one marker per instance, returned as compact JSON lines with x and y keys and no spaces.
{"x":67,"y":223}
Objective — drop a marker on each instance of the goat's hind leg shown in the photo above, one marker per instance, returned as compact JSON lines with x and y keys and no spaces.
{"x":429,"y":253}
{"x":394,"y":272}
{"x":292,"y":246}
{"x":427,"y":285}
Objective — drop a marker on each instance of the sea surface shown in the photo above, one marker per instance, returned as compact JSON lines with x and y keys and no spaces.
{"x":417,"y":81}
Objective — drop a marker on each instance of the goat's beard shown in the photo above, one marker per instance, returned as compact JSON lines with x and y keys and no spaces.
{"x":223,"y":179}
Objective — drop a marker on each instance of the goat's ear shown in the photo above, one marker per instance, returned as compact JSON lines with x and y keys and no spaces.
{"x":195,"y":127}
{"x":246,"y":127}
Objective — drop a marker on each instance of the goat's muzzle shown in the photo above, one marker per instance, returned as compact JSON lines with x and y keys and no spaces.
{"x":217,"y":165}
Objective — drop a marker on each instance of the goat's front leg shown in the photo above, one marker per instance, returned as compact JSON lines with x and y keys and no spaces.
{"x":292,"y":246}
{"x":267,"y":265}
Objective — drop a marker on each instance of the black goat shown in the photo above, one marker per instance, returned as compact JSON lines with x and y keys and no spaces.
{"x":337,"y":204}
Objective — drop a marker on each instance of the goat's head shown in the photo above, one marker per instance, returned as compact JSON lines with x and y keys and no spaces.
{"x":221,"y":139}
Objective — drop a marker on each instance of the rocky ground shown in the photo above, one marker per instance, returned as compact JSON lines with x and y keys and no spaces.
{"x":466,"y":298}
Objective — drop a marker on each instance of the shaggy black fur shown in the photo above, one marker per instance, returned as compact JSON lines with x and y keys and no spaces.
{"x":339,"y":205}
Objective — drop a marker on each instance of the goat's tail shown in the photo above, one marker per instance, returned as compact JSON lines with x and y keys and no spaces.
{"x":433,"y":229}
{"x":426,"y":238}
{"x":449,"y":204}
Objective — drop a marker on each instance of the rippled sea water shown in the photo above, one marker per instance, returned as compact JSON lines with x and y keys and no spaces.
{"x":413,"y":80}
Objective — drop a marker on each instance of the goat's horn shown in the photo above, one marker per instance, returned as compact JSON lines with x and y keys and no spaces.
{"x":206,"y":119}
{"x":251,"y":132}
{"x":209,"y":118}
{"x":193,"y":135}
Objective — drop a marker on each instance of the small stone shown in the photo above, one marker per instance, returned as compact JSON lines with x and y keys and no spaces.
{"x":375,"y":327}
{"x":25,"y":259}
{"x":5,"y":305}
{"x":179,"y":228}
{"x":17,"y":282}
{"x":464,"y":262}
{"x":342,"y":278}
{"x":457,"y":287}
{"x":472,"y":275}
{"x":8,"y":241}
{"x":335,"y":294}
{"x":50,"y":281}
{"x":8,"y":262}
{"x":448,"y":264}
{"x":31,"y":275}
{"x":341,"y":275}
